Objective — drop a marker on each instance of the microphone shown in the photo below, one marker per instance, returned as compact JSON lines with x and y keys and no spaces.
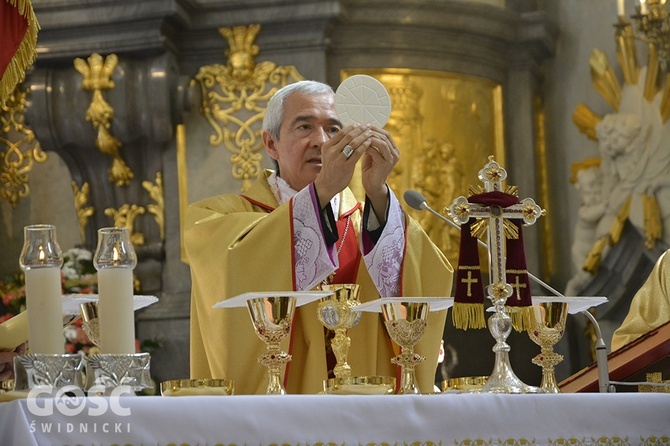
{"x":417,"y":201}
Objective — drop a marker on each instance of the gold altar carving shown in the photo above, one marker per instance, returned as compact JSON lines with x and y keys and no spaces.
{"x":607,"y":84}
{"x":84,"y":212}
{"x":158,"y":207}
{"x":124,"y":217}
{"x":549,"y":266}
{"x":442,"y":122}
{"x":657,"y":378}
{"x":97,"y":73}
{"x":234,"y":97}
{"x":20,"y":149}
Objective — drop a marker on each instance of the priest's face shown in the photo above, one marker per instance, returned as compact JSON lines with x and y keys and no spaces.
{"x":308,"y":122}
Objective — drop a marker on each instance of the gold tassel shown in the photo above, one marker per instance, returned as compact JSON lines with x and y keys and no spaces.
{"x":523,"y":318}
{"x":617,"y":226}
{"x":25,"y":54}
{"x":466,"y":316}
{"x":594,"y":256}
{"x":652,"y":221}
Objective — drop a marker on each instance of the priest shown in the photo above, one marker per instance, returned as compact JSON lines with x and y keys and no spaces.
{"x":298,"y":227}
{"x":650,"y":307}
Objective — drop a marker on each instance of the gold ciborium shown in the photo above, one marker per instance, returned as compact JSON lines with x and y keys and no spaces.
{"x":335,"y":313}
{"x":550,"y":318}
{"x":272,"y":318}
{"x":406,"y":324}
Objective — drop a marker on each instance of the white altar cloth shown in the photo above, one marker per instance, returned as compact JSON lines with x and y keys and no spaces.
{"x":448,"y":419}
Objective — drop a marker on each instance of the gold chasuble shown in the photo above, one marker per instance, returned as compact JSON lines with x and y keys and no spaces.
{"x":650,"y":307}
{"x":238,"y":244}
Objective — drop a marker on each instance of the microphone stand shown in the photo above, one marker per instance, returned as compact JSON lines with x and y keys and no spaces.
{"x":600,"y":348}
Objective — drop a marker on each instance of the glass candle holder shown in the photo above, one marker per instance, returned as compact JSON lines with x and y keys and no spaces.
{"x":115,"y":259}
{"x":41,"y":259}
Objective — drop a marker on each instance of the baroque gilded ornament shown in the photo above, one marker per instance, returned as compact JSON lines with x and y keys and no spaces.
{"x":97,"y":74}
{"x":124,"y":217}
{"x":234,"y":97}
{"x":629,"y":182}
{"x":20,"y":149}
{"x":158,"y":208}
{"x":84,"y":212}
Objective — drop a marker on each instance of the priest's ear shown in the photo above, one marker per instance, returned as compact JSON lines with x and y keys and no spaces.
{"x":271,"y":148}
{"x":270,"y":145}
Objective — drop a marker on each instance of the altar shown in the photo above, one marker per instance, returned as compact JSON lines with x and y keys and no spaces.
{"x":445,"y":419}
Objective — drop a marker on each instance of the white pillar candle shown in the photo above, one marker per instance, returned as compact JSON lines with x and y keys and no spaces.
{"x":116,"y":313}
{"x":620,"y":8}
{"x":643,"y":7}
{"x":45,"y":313}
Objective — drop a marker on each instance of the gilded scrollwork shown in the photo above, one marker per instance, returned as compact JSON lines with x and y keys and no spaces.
{"x":158,"y":207}
{"x":20,"y":149}
{"x":97,"y":73}
{"x":84,"y":212}
{"x":124,"y":217}
{"x":234,"y":97}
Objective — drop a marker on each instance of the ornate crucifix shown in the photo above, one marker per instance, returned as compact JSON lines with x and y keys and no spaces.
{"x":492,"y":175}
{"x":494,"y":209}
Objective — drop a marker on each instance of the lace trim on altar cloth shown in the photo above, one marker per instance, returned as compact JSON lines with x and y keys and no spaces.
{"x":563,"y":441}
{"x":384,"y":261}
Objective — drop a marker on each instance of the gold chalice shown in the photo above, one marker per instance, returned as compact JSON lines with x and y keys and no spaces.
{"x":550,"y":318}
{"x":272,"y":318}
{"x":335,"y":313}
{"x":406,"y":324}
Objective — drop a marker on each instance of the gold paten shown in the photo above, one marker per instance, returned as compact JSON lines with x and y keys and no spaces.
{"x":84,"y":212}
{"x":464,"y":383}
{"x":234,"y":97}
{"x":124,"y":217}
{"x":441,"y":122}
{"x":361,"y":385}
{"x":196,"y":387}
{"x":158,"y":208}
{"x":19,"y":148}
{"x":97,"y":74}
